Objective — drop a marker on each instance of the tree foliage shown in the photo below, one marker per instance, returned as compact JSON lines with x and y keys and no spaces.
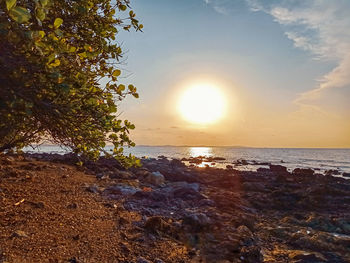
{"x":54,"y":55}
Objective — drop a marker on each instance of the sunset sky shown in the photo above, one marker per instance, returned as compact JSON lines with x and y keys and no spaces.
{"x":282,"y":68}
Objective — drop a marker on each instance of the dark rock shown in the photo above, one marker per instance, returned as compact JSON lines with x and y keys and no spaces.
{"x":93,"y":189}
{"x":278,"y":169}
{"x":38,"y":205}
{"x":218,"y":159}
{"x":19,"y":234}
{"x":251,"y":254}
{"x":177,"y":163}
{"x":142,"y":260}
{"x":122,"y":175}
{"x":196,"y":222}
{"x":332,"y":172}
{"x":121,"y":190}
{"x":73,"y":260}
{"x":229,"y":166}
{"x":245,"y":235}
{"x":346,"y":174}
{"x":264,"y":170}
{"x":157,"y":224}
{"x":303,"y":171}
{"x":155,"y":178}
{"x":72,"y":206}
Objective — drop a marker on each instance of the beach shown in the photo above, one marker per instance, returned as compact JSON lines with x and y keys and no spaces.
{"x":166,"y":211}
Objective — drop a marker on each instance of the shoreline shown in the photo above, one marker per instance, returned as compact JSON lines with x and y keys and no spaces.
{"x":202,"y":214}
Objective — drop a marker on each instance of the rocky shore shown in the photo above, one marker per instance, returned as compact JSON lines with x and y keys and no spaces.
{"x":166,"y":211}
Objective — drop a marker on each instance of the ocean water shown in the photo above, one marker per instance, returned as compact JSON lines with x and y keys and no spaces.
{"x":318,"y":159}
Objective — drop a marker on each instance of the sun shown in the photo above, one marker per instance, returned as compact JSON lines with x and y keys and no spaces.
{"x":202,"y":104}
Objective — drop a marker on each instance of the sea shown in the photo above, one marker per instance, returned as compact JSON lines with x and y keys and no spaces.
{"x":320,"y":160}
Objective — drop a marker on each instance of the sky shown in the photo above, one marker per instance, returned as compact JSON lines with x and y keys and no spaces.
{"x":283,"y":68}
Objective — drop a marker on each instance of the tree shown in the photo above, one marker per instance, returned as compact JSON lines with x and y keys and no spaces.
{"x":54,"y":55}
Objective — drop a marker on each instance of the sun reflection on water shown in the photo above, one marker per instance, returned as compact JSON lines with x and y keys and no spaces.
{"x":200,"y":151}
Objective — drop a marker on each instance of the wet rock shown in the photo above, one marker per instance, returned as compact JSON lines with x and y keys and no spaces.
{"x":346,"y":174}
{"x":196,"y":222}
{"x":303,"y":171}
{"x":332,"y":172}
{"x":155,"y":178}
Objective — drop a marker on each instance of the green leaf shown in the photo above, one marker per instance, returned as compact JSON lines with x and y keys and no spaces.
{"x":40,"y":14}
{"x":58,"y":22}
{"x":41,"y":34}
{"x":56,"y":63}
{"x":116,"y":73}
{"x":10,"y":4}
{"x":122,"y":7}
{"x":44,"y":2}
{"x":20,"y":14}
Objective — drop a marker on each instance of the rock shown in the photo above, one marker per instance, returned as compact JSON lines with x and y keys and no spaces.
{"x":93,"y":189}
{"x":332,"y":172}
{"x":177,"y":163}
{"x":255,"y":187}
{"x":194,"y":186}
{"x":142,"y":260}
{"x":8,"y":160}
{"x":245,"y":235}
{"x":197,"y":222}
{"x":218,"y":159}
{"x":251,"y":254}
{"x":157,"y":224}
{"x":300,"y":256}
{"x":346,"y":174}
{"x":229,"y":167}
{"x":242,"y":162}
{"x":303,"y":171}
{"x":155,"y":178}
{"x":187,"y":193}
{"x":19,"y":234}
{"x":264,"y":171}
{"x":122,"y":175}
{"x":121,"y":190}
{"x":278,"y":169}
{"x":72,"y":206}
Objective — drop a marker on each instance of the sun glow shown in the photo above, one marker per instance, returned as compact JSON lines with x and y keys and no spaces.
{"x":202,"y":104}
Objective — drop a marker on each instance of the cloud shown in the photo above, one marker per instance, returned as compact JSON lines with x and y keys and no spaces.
{"x":225,"y":7}
{"x":320,"y":27}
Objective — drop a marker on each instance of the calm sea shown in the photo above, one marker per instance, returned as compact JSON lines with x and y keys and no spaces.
{"x":319,"y":159}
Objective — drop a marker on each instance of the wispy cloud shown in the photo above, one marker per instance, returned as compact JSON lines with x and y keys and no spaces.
{"x":320,"y":27}
{"x":224,"y":6}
